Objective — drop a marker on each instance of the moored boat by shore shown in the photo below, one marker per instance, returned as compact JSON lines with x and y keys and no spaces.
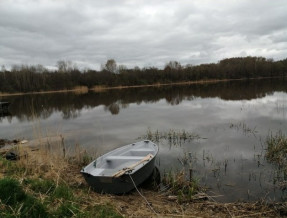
{"x":120,"y":170}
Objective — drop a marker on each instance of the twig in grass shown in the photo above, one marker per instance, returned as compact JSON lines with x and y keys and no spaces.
{"x":255,"y":214}
{"x":119,"y":212}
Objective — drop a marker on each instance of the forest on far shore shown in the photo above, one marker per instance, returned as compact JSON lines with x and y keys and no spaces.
{"x":26,"y":78}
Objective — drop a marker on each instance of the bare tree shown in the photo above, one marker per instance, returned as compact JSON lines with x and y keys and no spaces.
{"x":111,"y":66}
{"x":173,"y":65}
{"x":3,"y":69}
{"x":66,"y":66}
{"x":40,"y":68}
{"x":122,"y":68}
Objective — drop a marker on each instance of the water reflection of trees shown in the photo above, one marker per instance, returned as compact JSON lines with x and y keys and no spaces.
{"x":4,"y":115}
{"x":114,"y":108}
{"x":28,"y":107}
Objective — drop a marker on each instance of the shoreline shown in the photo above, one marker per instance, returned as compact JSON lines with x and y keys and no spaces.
{"x":101,"y":88}
{"x":51,"y":167}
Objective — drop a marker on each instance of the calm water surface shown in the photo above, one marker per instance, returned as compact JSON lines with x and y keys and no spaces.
{"x":232,"y":120}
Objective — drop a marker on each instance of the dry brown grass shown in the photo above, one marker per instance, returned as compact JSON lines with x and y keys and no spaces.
{"x":76,"y":90}
{"x":81,"y":89}
{"x":50,"y":159}
{"x":99,"y":88}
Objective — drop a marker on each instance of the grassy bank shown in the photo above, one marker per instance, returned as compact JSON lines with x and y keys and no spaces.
{"x":101,"y":88}
{"x":33,"y":197}
{"x":76,"y":90}
{"x":46,"y":182}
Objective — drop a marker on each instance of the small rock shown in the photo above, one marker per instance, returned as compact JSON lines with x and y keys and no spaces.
{"x":12,"y":155}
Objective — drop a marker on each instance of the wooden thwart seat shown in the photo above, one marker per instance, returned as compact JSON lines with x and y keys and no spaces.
{"x":129,"y":168}
{"x":111,"y":158}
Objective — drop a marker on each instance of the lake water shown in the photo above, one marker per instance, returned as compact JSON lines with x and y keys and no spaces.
{"x":231,"y":120}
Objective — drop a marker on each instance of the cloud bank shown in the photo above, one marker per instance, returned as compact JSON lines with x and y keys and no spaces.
{"x":140,"y":32}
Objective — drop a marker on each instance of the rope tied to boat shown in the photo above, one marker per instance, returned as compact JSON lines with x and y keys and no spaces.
{"x":149,"y":204}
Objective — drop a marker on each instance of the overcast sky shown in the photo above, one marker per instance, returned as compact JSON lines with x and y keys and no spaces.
{"x":140,"y":32}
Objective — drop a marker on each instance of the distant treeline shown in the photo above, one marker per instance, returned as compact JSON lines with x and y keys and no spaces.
{"x":70,"y":105}
{"x":25,"y":78}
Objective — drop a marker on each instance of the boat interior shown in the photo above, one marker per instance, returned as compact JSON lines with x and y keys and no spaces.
{"x":119,"y":159}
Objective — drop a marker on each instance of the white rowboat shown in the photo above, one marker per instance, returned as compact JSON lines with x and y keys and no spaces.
{"x":118,"y":171}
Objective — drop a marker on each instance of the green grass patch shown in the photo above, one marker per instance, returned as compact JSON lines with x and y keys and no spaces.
{"x":100,"y":211}
{"x":67,"y":209}
{"x":11,"y":192}
{"x":52,"y":202}
{"x":16,"y":203}
{"x":42,"y":186}
{"x":32,"y":207}
{"x":64,"y":192}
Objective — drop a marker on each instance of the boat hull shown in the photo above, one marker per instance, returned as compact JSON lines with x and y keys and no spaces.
{"x":122,"y":184}
{"x":121,"y":170}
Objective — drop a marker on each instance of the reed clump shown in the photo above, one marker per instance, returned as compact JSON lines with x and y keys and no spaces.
{"x":179,"y":186}
{"x":277,"y":155}
{"x":174,"y":137}
{"x":244,"y":128}
{"x":277,"y":149}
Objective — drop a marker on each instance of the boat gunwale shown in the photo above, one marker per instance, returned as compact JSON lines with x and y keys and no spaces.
{"x":118,"y":149}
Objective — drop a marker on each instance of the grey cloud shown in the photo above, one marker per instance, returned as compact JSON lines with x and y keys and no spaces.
{"x":141,"y":32}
